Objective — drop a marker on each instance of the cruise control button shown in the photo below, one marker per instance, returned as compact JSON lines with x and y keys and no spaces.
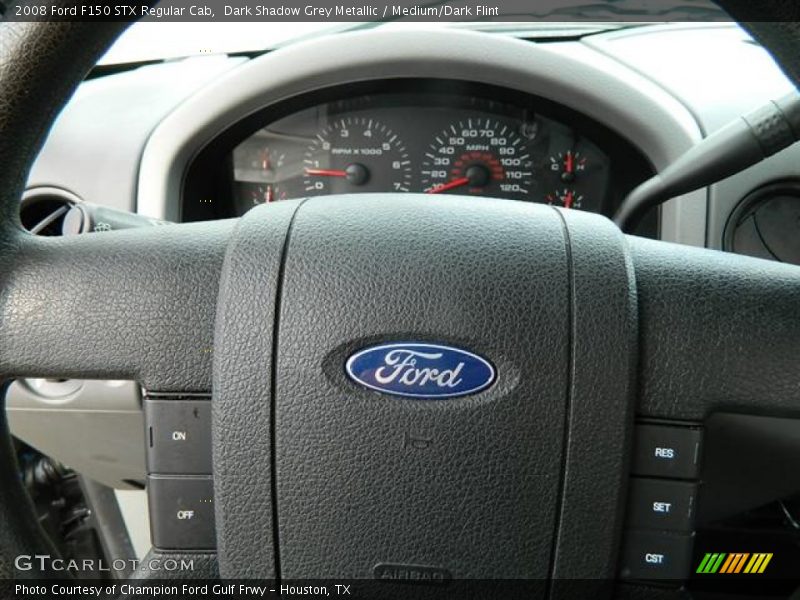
{"x":181,"y":512}
{"x":179,"y":436}
{"x":661,"y":504}
{"x":665,"y":451}
{"x":650,"y":555}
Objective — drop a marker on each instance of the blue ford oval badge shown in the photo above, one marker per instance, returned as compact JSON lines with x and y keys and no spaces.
{"x":419,"y":370}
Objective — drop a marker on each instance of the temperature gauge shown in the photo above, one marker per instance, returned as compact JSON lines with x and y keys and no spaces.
{"x":568,"y":165}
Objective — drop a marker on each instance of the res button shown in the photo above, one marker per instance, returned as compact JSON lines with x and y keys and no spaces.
{"x":666,"y":451}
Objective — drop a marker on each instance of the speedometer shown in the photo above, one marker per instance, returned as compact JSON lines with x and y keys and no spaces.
{"x":356,"y":154}
{"x":483,"y":157}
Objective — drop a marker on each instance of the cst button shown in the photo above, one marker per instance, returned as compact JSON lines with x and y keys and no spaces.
{"x":666,"y":451}
{"x":656,"y":556}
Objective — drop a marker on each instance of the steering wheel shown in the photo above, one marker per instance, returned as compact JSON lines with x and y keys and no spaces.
{"x":584,"y":329}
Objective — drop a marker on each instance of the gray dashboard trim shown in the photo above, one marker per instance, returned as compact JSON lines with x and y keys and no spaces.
{"x":94,"y":147}
{"x":737,"y":77}
{"x":569,"y":73}
{"x":94,"y":427}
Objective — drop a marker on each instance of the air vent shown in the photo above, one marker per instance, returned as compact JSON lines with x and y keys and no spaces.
{"x":43,"y":209}
{"x":766,"y":224}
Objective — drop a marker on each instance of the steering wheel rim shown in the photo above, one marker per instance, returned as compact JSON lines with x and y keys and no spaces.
{"x":143,"y":275}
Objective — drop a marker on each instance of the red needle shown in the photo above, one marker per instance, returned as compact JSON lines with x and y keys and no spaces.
{"x":449,"y":186}
{"x":270,"y":193}
{"x":326,"y":172}
{"x":568,"y":200}
{"x":570,"y":165}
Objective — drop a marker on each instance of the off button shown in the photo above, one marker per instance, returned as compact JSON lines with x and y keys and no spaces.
{"x":181,"y":512}
{"x":665,"y":451}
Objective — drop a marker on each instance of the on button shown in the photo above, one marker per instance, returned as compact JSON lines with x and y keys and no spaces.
{"x":179,"y":434}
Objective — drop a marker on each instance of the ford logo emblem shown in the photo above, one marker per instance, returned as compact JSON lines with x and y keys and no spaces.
{"x":418,"y":370}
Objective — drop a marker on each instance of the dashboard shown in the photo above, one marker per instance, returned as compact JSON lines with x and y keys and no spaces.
{"x":431,"y":136}
{"x":211,"y":136}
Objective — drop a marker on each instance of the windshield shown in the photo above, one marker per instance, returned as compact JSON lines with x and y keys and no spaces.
{"x":150,"y":40}
{"x":145,"y":41}
{"x":154,"y":41}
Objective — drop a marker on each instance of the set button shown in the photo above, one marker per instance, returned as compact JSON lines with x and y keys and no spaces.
{"x":661,"y":504}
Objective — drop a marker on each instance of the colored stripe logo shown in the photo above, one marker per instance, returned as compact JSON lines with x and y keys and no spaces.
{"x":734,"y":563}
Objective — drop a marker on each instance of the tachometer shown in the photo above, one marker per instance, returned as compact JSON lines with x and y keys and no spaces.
{"x":478,"y":156}
{"x":356,"y":154}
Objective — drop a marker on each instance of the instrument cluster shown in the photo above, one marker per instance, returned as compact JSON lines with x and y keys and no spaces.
{"x":429,"y":142}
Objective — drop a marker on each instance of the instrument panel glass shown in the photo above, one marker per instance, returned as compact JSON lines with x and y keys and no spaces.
{"x":429,"y":142}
